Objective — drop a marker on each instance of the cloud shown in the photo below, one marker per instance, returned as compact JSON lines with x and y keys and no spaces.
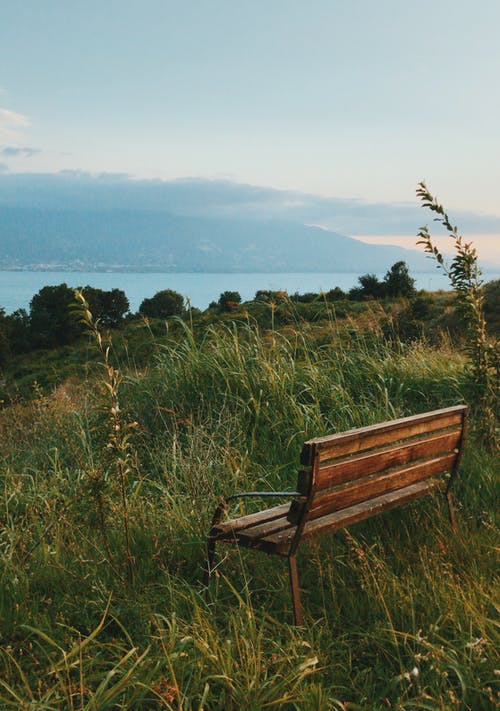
{"x":4,"y":168}
{"x":12,"y":118}
{"x":197,"y":197}
{"x":10,"y":122}
{"x":18,"y":152}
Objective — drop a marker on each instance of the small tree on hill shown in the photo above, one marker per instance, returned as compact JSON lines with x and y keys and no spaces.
{"x":4,"y":337}
{"x":163,"y":304}
{"x":229,"y":300}
{"x":108,"y":307}
{"x":19,"y":331}
{"x":52,"y":322}
{"x":398,"y":282}
{"x":370,"y":287}
{"x":335,"y":294}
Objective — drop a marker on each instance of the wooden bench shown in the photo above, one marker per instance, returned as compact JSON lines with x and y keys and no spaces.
{"x":347,"y":477}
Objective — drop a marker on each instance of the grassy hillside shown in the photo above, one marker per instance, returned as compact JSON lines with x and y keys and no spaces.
{"x":400,"y":613}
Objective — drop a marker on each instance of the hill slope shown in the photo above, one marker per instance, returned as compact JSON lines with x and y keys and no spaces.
{"x":156,"y":240}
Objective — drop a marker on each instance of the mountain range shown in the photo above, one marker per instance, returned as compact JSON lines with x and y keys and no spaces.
{"x":82,"y":222}
{"x":134,"y":240}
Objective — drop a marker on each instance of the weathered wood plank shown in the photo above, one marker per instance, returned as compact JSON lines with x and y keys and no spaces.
{"x":251,"y":536}
{"x":362,"y":465}
{"x":364,"y":489}
{"x":364,"y":438}
{"x":353,"y":514}
{"x":254,"y":519}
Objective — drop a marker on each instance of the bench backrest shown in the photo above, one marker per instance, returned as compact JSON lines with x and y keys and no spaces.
{"x":352,"y":467}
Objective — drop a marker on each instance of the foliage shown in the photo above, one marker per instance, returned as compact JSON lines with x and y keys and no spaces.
{"x":118,"y":446}
{"x":465,"y":277}
{"x":107,"y":307}
{"x":335,"y":294}
{"x":19,"y":331}
{"x":229,"y":300}
{"x":369,"y":287}
{"x":491,"y":291}
{"x":4,"y":338}
{"x":219,"y":411}
{"x":268,"y":296}
{"x":51,"y":320}
{"x":163,"y":304}
{"x":397,"y":281}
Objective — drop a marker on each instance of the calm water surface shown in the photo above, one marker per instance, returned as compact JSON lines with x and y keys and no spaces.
{"x":17,"y":288}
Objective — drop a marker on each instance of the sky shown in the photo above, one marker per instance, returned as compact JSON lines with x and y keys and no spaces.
{"x":349,"y":99}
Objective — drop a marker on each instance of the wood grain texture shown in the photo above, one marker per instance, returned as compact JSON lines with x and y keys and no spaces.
{"x":227,"y":528}
{"x":362,"y":490}
{"x":362,"y":465}
{"x":365,"y":438}
{"x":353,"y":514}
{"x":251,"y":536}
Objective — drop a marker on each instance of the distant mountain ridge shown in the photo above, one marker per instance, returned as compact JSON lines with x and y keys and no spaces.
{"x":78,"y":221}
{"x":154,"y":240}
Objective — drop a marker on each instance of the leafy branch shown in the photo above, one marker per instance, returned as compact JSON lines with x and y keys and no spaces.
{"x":465,"y":277}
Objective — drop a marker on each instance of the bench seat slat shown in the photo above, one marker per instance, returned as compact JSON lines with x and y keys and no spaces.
{"x":364,"y":438}
{"x":358,"y":466}
{"x":251,"y":536}
{"x":228,"y":528}
{"x":280,"y":541}
{"x":377,"y":484}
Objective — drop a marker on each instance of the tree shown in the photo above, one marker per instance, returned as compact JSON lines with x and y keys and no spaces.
{"x":229,"y":300}
{"x":370,"y":287}
{"x":163,"y":304}
{"x":4,"y":337}
{"x":307,"y":298}
{"x":107,"y":307}
{"x":397,"y":281}
{"x":19,"y":331}
{"x":335,"y":294}
{"x":52,"y":322}
{"x":269,"y":296}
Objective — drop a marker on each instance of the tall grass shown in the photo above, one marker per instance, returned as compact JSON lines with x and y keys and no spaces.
{"x":399,"y":611}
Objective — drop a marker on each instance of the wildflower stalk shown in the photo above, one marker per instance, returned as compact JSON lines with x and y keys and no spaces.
{"x":465,"y":277}
{"x":118,"y":445}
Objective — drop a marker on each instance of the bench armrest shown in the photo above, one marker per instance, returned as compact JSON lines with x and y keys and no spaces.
{"x":263,"y":494}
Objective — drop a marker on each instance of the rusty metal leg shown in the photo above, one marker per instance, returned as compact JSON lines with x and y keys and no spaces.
{"x":451,"y":511}
{"x":209,"y":561}
{"x":294,"y":584}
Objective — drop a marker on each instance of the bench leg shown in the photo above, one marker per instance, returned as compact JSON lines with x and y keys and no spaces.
{"x":294,"y":584}
{"x":451,"y":511}
{"x":209,"y":561}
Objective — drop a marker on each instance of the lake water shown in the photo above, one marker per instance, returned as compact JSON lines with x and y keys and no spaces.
{"x":17,"y":288}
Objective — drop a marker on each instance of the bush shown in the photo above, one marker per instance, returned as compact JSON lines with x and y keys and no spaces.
{"x":163,"y":304}
{"x":229,"y":300}
{"x":52,"y":322}
{"x":107,"y":307}
{"x":335,"y":294}
{"x":397,"y":281}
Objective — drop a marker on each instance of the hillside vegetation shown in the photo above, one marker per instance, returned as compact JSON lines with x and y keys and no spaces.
{"x":110,"y":478}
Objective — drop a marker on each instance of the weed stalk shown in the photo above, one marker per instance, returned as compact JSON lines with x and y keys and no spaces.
{"x":465,"y":277}
{"x":118,"y":445}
